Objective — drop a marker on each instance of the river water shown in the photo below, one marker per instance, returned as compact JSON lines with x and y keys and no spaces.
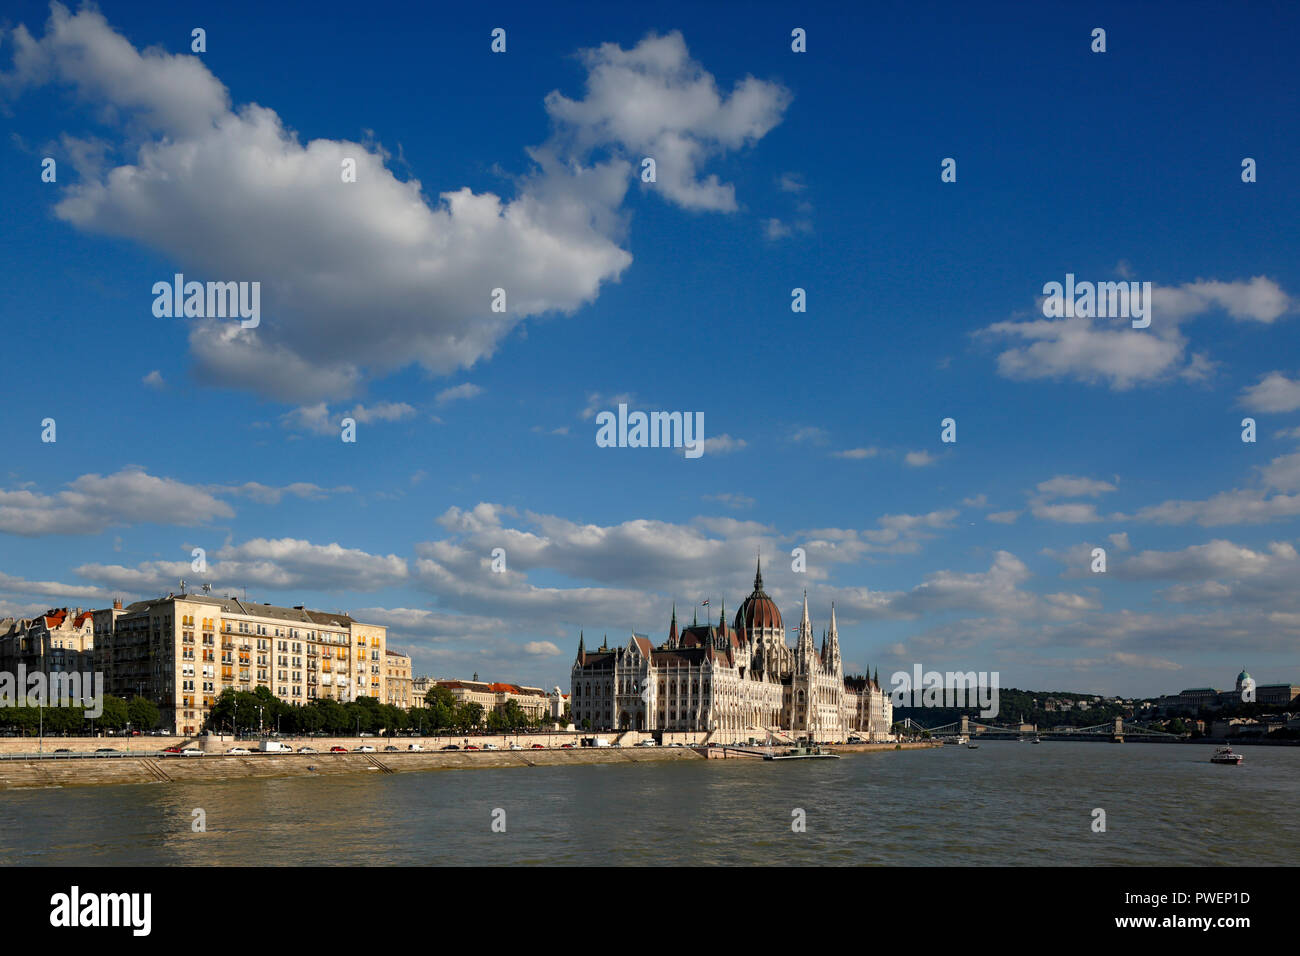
{"x":1005,"y":803}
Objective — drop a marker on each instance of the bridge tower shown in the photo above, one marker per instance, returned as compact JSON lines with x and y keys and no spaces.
{"x":1119,"y":730}
{"x":965,"y":725}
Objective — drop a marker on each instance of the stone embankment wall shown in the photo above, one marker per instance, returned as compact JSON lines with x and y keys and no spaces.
{"x":82,"y":771}
{"x":142,"y":768}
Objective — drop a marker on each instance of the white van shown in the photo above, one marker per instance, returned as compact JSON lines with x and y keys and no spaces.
{"x":600,"y":742}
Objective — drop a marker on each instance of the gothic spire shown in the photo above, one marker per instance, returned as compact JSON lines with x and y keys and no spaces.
{"x":758,"y":575}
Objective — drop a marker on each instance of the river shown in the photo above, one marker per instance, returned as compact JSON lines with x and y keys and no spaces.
{"x":1006,"y":803}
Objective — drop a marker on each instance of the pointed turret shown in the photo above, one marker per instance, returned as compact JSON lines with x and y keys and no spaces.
{"x":672,"y":628}
{"x":758,"y":575}
{"x":582,"y":651}
{"x":806,"y":649}
{"x":832,"y":654}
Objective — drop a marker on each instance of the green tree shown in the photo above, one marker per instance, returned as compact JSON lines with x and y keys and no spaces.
{"x":142,"y":713}
{"x":115,"y":713}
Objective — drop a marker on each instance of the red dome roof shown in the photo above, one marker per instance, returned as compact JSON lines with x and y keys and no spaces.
{"x":759,"y":610}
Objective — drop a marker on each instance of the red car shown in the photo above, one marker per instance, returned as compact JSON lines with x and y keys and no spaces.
{"x":172,"y":752}
{"x":566,"y":746}
{"x":338,"y":750}
{"x":471,"y":747}
{"x":538,"y":747}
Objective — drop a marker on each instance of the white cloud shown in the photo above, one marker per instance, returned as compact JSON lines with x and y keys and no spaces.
{"x":1111,"y":352}
{"x":367,"y":277}
{"x":458,"y":393}
{"x":722,"y":445}
{"x":1274,"y":392}
{"x":654,"y":100}
{"x":154,"y":379}
{"x":541,"y":648}
{"x":857,"y":454}
{"x":1066,"y":486}
{"x":919,"y":459}
{"x":95,"y":502}
{"x":320,"y":420}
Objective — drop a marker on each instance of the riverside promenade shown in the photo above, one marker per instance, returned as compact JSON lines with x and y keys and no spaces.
{"x":141,"y":766}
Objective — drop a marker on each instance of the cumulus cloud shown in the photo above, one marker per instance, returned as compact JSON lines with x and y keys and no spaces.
{"x":1239,"y":505}
{"x":321,"y":421}
{"x":1111,"y":352}
{"x":459,"y":392}
{"x":95,"y":502}
{"x":857,"y":454}
{"x":1066,"y":486}
{"x":362,"y":278}
{"x":276,"y":563}
{"x":654,"y":100}
{"x":1274,"y":392}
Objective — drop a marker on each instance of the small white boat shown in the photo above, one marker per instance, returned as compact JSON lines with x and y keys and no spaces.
{"x":972,"y":746}
{"x":1227,"y":755}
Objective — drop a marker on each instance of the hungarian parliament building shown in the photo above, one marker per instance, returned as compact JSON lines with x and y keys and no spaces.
{"x":730,"y":682}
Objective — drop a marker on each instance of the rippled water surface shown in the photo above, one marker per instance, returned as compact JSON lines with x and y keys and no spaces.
{"x":1005,"y":803}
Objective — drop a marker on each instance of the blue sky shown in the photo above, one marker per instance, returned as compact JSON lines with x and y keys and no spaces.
{"x":775,"y":170}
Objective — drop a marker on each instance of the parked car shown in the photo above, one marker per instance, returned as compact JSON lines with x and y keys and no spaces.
{"x":471,"y":747}
{"x":566,"y":746}
{"x":63,"y":750}
{"x":414,"y":747}
{"x":538,"y":747}
{"x":491,"y":747}
{"x":338,"y":750}
{"x":390,"y":749}
{"x":307,"y":750}
{"x":105,"y":750}
{"x":363,"y":749}
{"x":450,"y":747}
{"x":172,"y":752}
{"x":365,"y":733}
{"x":647,"y":743}
{"x":241,"y":751}
{"x":191,"y":752}
{"x":516,"y":747}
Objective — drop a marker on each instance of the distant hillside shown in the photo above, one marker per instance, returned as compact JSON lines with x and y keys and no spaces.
{"x":1028,"y":705}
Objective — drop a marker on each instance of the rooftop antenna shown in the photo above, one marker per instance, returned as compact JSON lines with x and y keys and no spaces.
{"x":182,"y":584}
{"x":207,"y":589}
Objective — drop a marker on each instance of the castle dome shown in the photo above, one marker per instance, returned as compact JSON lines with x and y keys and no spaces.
{"x":759,"y":612}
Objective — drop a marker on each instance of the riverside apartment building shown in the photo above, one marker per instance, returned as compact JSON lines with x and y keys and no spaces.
{"x":181,"y":651}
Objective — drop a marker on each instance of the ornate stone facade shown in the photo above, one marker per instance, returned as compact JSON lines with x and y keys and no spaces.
{"x":733,"y":681}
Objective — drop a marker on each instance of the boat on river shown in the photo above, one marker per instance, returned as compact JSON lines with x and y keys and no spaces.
{"x":1227,"y":755}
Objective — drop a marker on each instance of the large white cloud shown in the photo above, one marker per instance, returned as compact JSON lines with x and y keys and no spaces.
{"x":94,"y":502}
{"x":366,"y":277}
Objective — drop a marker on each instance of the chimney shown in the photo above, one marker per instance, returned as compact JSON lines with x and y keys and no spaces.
{"x":117,"y":604}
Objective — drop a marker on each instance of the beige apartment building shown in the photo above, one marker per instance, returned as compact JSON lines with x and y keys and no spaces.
{"x":398,"y":689}
{"x":182,"y":651}
{"x":493,"y":696}
{"x":60,"y":640}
